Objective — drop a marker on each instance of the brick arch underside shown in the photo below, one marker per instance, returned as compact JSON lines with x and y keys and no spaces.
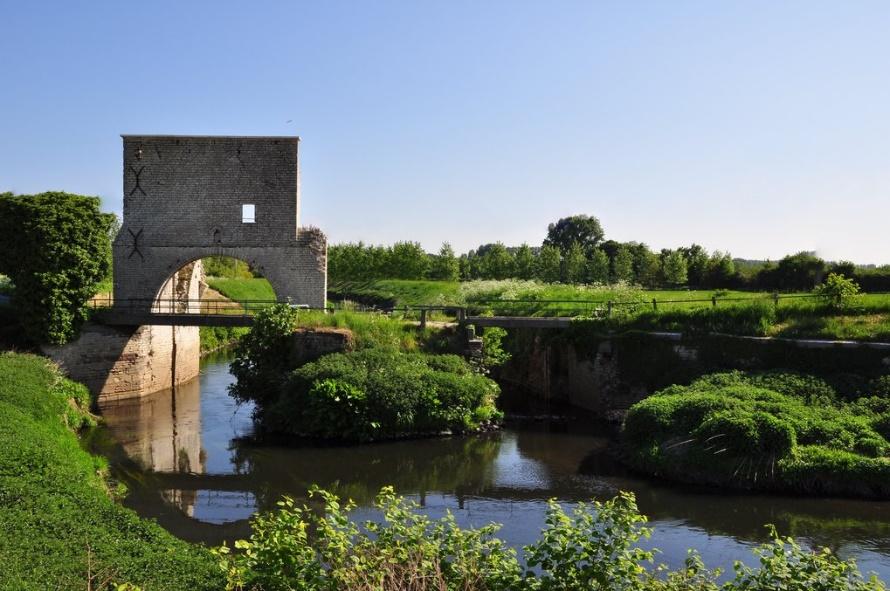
{"x":295,"y":273}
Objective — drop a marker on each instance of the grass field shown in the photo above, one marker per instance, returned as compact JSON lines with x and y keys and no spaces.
{"x":242,"y":289}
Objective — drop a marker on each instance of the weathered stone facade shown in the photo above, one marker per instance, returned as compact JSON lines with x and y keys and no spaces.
{"x":184,"y":197}
{"x":126,"y":361}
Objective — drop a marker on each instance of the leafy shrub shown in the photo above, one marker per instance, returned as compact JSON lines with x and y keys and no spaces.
{"x":380,"y":390}
{"x":880,"y":387}
{"x":405,"y":550}
{"x":374,"y":393}
{"x":56,"y":250}
{"x":838,"y":290}
{"x":594,"y":547}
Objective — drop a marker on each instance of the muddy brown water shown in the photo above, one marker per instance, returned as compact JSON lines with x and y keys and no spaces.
{"x":191,"y":465}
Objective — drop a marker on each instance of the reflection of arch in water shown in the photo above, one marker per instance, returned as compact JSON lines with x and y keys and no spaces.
{"x":161,"y":432}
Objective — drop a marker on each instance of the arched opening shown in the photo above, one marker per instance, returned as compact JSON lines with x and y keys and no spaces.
{"x":215,"y":285}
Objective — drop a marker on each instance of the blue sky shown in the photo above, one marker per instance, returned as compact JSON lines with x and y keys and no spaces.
{"x":761,"y":128}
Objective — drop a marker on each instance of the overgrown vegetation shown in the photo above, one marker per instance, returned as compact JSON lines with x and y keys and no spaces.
{"x":388,"y":387}
{"x":782,"y":431}
{"x":213,"y":338}
{"x":595,"y":547}
{"x":61,"y":528}
{"x":55,"y":247}
{"x":380,"y":393}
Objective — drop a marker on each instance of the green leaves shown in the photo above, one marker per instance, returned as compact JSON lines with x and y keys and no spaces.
{"x":56,"y":249}
{"x":594,"y":548}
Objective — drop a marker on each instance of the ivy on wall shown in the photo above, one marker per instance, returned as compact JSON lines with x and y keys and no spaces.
{"x":55,"y":247}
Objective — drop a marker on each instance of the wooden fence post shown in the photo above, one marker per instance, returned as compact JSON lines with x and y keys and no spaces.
{"x":423,"y":319}
{"x":714,"y":301}
{"x":610,"y":308}
{"x":654,"y":304}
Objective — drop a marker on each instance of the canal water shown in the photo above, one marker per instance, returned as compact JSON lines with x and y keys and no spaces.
{"x":191,"y":465}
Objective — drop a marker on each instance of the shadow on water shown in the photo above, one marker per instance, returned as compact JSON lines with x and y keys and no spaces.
{"x":189,"y":461}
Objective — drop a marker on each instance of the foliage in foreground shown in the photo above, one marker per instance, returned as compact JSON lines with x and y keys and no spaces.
{"x":58,"y":519}
{"x":55,"y":248}
{"x":775,"y":430}
{"x":593,"y":547}
{"x":383,"y":389}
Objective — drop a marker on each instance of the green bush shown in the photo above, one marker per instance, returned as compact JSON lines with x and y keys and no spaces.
{"x":379,"y":393}
{"x":747,"y":429}
{"x":595,"y":547}
{"x":55,"y":248}
{"x":383,"y":389}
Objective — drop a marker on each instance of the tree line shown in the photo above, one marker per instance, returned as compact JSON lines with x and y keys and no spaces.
{"x":576,"y":251}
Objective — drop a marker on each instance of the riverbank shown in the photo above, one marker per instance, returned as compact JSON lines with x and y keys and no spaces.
{"x":61,"y":527}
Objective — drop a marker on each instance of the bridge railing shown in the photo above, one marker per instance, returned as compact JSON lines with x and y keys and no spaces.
{"x":597,"y":308}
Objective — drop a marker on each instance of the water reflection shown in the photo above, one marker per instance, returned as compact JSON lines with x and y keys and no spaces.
{"x":202,"y":480}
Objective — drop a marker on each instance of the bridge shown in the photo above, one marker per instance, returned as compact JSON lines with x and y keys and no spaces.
{"x":217,"y":312}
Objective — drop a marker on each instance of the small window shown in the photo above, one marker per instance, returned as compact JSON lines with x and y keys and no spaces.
{"x":248,"y":213}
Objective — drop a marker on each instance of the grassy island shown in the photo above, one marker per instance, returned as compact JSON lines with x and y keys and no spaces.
{"x":771,"y":431}
{"x":398,"y":381}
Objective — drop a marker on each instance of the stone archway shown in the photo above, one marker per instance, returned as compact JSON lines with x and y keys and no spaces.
{"x":189,"y":197}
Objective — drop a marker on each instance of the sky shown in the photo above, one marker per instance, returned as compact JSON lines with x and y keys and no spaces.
{"x":760,"y":128}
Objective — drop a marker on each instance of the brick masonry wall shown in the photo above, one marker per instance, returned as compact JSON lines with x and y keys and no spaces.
{"x":182,"y":201}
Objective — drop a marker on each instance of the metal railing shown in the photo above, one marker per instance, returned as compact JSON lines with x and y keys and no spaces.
{"x":529,"y":307}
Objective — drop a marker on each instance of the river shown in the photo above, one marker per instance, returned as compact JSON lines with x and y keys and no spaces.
{"x":190,"y":463}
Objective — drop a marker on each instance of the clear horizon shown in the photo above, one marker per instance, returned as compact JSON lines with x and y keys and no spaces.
{"x":748,"y":127}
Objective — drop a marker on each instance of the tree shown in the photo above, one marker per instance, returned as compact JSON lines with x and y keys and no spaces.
{"x":646,"y":268}
{"x":802,"y":271}
{"x":696,"y":264}
{"x":583,"y":229}
{"x":524,"y":262}
{"x":674,"y":268}
{"x":845,"y":268}
{"x":623,"y":265}
{"x":575,"y":264}
{"x":549,"y":264}
{"x":598,"y":267}
{"x":721,"y":270}
{"x":497,"y":262}
{"x":56,"y":249}
{"x":445,"y":266}
{"x":407,"y":260}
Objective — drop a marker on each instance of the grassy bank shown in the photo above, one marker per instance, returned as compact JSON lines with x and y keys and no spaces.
{"x":772,"y":431}
{"x":60,"y":524}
